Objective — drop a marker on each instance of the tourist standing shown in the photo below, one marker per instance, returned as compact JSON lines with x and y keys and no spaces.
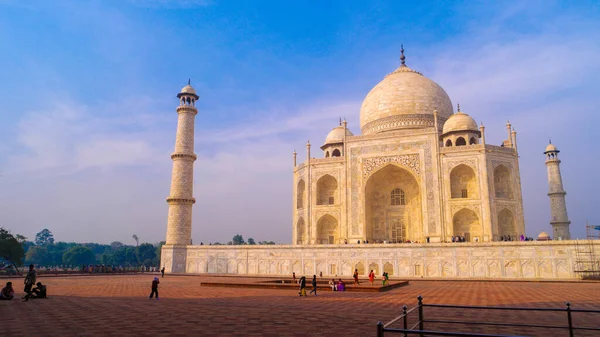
{"x":302,"y":286}
{"x":7,"y":293}
{"x":371,"y":277}
{"x":356,"y":277}
{"x":29,"y":281}
{"x":314,"y":284}
{"x":155,"y":283}
{"x":162,"y":271}
{"x":294,"y":276}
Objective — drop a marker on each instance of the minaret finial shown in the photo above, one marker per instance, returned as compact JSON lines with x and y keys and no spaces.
{"x":189,"y":81}
{"x":402,"y":57}
{"x":340,"y":120}
{"x":458,"y":107}
{"x":549,"y":141}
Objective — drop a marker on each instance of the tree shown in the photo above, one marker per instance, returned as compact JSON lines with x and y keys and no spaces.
{"x":115,"y":245}
{"x":10,"y":247}
{"x":146,"y":253}
{"x":79,"y":255}
{"x":251,"y":241}
{"x":238,"y":240}
{"x":38,"y":255}
{"x":44,"y":238}
{"x":137,"y":240}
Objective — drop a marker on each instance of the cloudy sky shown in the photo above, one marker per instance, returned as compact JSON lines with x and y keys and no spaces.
{"x":87,"y":102}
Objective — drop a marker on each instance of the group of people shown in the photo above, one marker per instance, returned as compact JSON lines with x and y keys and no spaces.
{"x":303,"y":285}
{"x":337,"y":285}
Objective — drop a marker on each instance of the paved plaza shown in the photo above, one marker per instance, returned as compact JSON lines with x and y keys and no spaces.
{"x":118,"y":306}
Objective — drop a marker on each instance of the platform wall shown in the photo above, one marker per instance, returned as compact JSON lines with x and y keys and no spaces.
{"x":496,"y":260}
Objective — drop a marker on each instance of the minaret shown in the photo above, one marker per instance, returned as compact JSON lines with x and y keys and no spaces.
{"x":558,"y":206}
{"x":180,"y":200}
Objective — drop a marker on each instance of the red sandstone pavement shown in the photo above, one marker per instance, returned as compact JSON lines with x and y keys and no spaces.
{"x":118,"y":306}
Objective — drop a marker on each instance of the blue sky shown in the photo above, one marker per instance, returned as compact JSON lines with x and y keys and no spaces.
{"x":87,"y":100}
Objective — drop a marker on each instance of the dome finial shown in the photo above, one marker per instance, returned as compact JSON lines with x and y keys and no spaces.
{"x":340,"y":120}
{"x":458,"y":107}
{"x":549,"y":141}
{"x":402,"y":57}
{"x":189,"y":81}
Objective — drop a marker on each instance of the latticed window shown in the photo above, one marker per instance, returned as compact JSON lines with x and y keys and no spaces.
{"x":398,"y":197}
{"x":464,"y":193}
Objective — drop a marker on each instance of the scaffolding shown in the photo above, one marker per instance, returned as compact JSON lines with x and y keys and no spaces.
{"x":587,"y":265}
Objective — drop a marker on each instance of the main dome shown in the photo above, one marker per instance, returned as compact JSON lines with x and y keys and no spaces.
{"x":404,"y":99}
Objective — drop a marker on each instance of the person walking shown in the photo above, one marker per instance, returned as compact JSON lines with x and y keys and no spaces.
{"x":155,"y":283}
{"x":162,"y":271}
{"x":302,"y":286}
{"x":314,"y":284}
{"x":294,"y":276}
{"x":371,"y":277}
{"x":356,"y":277}
{"x":29,"y":280}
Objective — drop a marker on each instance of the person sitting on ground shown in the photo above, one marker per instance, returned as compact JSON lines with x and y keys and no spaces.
{"x":39,"y":291}
{"x":7,"y":293}
{"x":341,"y":286}
{"x":333,"y":285}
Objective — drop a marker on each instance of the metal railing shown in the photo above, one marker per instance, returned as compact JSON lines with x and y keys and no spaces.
{"x":421,"y":331}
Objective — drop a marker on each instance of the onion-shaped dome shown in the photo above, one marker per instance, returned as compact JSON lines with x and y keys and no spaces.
{"x":460,"y":121}
{"x":404,"y":99}
{"x":188,"y":89}
{"x":543,"y":237}
{"x":336,"y":135}
{"x":551,"y":148}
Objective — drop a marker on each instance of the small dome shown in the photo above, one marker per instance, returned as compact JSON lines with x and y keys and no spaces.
{"x":337,"y":135}
{"x":551,"y":148}
{"x":543,"y":236}
{"x":188,"y":89}
{"x":460,"y":121}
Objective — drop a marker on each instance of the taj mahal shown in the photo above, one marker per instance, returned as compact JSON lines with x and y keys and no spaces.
{"x":418,"y":193}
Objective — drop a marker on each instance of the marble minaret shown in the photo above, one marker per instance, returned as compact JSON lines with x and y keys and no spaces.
{"x":180,"y":200}
{"x":558,"y":206}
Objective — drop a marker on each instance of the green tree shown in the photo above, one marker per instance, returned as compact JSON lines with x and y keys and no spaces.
{"x":10,"y":247}
{"x":79,"y":255}
{"x":137,"y":240}
{"x":116,"y":245}
{"x":45,"y":237}
{"x":38,"y":255}
{"x":238,"y":240}
{"x":251,"y":241}
{"x":146,"y":253}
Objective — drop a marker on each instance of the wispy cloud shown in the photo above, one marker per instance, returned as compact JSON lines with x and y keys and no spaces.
{"x":171,"y":4}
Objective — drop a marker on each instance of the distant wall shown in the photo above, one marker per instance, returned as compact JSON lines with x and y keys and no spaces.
{"x":494,"y":260}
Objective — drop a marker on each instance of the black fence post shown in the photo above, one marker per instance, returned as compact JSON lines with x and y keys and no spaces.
{"x":570,"y":319}
{"x":379,"y":329}
{"x":421,"y":325}
{"x":405,"y":320}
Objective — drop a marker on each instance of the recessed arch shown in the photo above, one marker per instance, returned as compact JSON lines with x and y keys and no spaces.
{"x":327,"y":154}
{"x":448,"y":143}
{"x":503,"y":182}
{"x":460,"y":141}
{"x":327,"y":230}
{"x":326,"y":190}
{"x":463,"y":182}
{"x":360,"y":268}
{"x":472,"y":141}
{"x":301,"y":232}
{"x":374,"y":267}
{"x":466,"y":223}
{"x":336,"y":153}
{"x":300,"y":194}
{"x":388,"y":268}
{"x":506,"y":223}
{"x":387,"y":222}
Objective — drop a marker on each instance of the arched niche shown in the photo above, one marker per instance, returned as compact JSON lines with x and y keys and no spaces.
{"x":463,"y":183}
{"x":360,"y":268}
{"x":301,"y":232}
{"x":389,"y":222}
{"x":300,"y":194}
{"x":448,"y":143}
{"x":336,"y":153}
{"x":327,"y":230}
{"x":327,"y":154}
{"x":466,"y":223}
{"x":472,"y":141}
{"x":460,"y":141}
{"x":503,"y":182}
{"x":506,"y":223}
{"x":326,"y":190}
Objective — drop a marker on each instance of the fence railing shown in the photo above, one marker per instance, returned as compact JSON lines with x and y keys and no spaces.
{"x":421,"y":331}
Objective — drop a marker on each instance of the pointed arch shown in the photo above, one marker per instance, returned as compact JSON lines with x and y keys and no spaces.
{"x":336,"y":153}
{"x":472,"y":141}
{"x":503,"y":182}
{"x":327,"y":154}
{"x":300,"y":194}
{"x":460,"y":141}
{"x":374,"y":267}
{"x":326,"y":190}
{"x":327,"y":230}
{"x":506,"y":223}
{"x":301,"y":232}
{"x":360,"y":268}
{"x":388,"y":268}
{"x":463,"y":182}
{"x":466,"y":223}
{"x":449,"y":143}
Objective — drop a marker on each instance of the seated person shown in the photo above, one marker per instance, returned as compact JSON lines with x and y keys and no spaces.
{"x":7,"y":292}
{"x":341,"y":286}
{"x":38,"y":292}
{"x":333,"y":285}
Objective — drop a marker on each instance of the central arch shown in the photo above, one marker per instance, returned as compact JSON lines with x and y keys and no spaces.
{"x":466,"y":223}
{"x":327,"y":230}
{"x":392,"y":206}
